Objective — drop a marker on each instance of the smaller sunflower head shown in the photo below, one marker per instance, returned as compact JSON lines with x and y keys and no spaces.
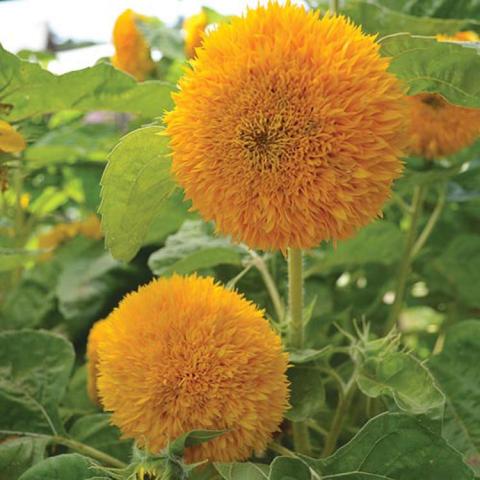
{"x":184,"y":353}
{"x":59,"y":234}
{"x":10,"y":140}
{"x":194,"y":28}
{"x":438,"y":128}
{"x":96,"y":333}
{"x":132,"y":53}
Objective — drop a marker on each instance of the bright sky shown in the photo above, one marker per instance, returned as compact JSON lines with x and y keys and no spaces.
{"x":23,"y":23}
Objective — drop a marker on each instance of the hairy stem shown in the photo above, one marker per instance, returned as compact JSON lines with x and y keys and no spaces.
{"x":407,"y":257}
{"x":301,"y":436}
{"x":280,"y":449}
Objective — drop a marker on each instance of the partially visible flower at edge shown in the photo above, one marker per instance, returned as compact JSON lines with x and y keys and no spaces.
{"x":194,"y":28}
{"x":10,"y":140}
{"x":132,"y":53}
{"x":439,"y":128}
{"x":94,"y":336}
{"x":185,"y":353}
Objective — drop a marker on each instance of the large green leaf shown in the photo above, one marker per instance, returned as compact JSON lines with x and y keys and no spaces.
{"x":376,"y":18}
{"x":394,"y":446}
{"x":379,"y":242}
{"x":135,"y":185}
{"x":405,"y":379}
{"x":34,"y":370}
{"x":457,"y":370}
{"x":26,"y":89}
{"x":459,"y":265}
{"x":192,"y":248}
{"x":18,"y":454}
{"x":64,"y":467}
{"x":286,"y":468}
{"x":97,"y":431}
{"x":426,"y":65}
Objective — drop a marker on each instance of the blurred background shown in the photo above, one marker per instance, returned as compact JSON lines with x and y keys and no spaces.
{"x":80,"y":32}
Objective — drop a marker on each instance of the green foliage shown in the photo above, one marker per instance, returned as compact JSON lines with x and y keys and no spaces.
{"x":194,"y":247}
{"x":12,"y":258}
{"x":61,"y":467}
{"x":27,"y":90}
{"x":135,"y":185}
{"x":452,"y":73}
{"x":32,"y":385}
{"x":456,"y":370}
{"x":242,"y":471}
{"x":285,"y":468}
{"x":437,"y":8}
{"x":192,"y":438}
{"x":397,"y":447}
{"x":18,"y":454}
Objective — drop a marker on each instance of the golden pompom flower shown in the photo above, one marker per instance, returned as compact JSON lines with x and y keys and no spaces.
{"x":194,"y":28}
{"x":10,"y":140}
{"x":132,"y":53}
{"x":438,"y":128}
{"x":94,"y":336}
{"x":288,"y":128}
{"x":184,"y":353}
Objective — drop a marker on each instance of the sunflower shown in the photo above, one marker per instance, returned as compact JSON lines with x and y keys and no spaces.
{"x":59,"y":234}
{"x":94,"y":336}
{"x":132,"y":53}
{"x":10,"y":140}
{"x":194,"y":28}
{"x":184,"y":353}
{"x":288,"y":128}
{"x":438,"y":128}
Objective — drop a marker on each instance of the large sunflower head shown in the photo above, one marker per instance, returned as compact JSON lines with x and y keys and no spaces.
{"x":194,"y":28}
{"x":184,"y":353}
{"x":288,"y":128}
{"x":132,"y":53}
{"x":438,"y":128}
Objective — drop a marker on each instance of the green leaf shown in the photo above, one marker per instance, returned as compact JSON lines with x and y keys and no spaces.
{"x":456,"y":369}
{"x":34,"y":370}
{"x":242,"y":471}
{"x":11,"y":258}
{"x":437,"y":8}
{"x":402,"y":377}
{"x":376,"y":18}
{"x":64,"y":467}
{"x":97,"y":431}
{"x":459,"y":265}
{"x":437,"y":67}
{"x":286,"y":468}
{"x":135,"y":185}
{"x":379,"y":242}
{"x":18,"y":454}
{"x":26,"y":89}
{"x":76,"y":400}
{"x":167,"y":40}
{"x":192,"y":438}
{"x":193,"y":248}
{"x":394,"y":446}
{"x":89,"y":284}
{"x":307,"y":393}
{"x":308,"y":354}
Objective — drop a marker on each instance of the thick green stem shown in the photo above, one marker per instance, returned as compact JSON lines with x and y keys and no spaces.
{"x":301,"y":436}
{"x":407,"y":257}
{"x":334,"y":5}
{"x":280,"y":449}
{"x":344,"y":402}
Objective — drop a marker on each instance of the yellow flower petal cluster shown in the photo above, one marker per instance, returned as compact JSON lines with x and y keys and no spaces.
{"x":438,"y":128}
{"x":194,"y":28}
{"x":288,"y":128}
{"x":132,"y":53}
{"x":90,"y":228}
{"x":185,"y":353}
{"x":96,"y":333}
{"x":10,"y":140}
